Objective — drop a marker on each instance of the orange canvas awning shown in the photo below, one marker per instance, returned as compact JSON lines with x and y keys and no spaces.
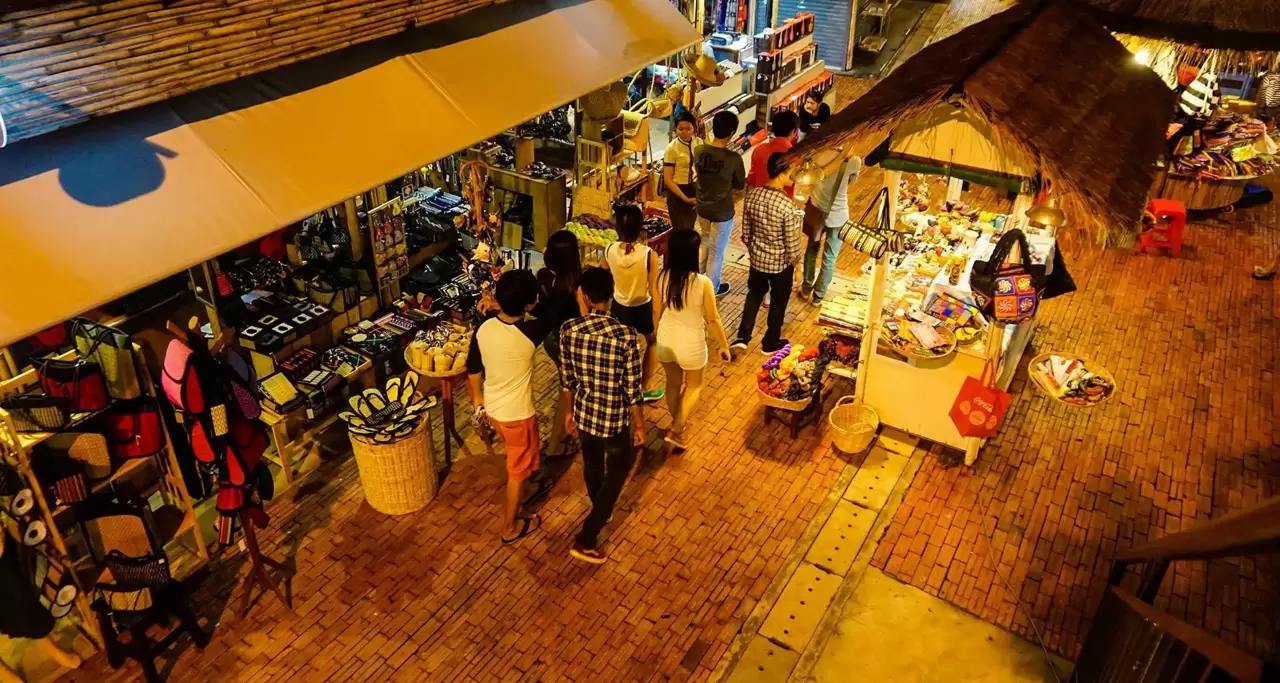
{"x":99,"y":210}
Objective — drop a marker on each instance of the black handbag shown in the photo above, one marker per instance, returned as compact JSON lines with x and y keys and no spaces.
{"x":136,"y":573}
{"x":1059,"y":280}
{"x":877,"y":238}
{"x":36,"y":413}
{"x":1008,"y":292}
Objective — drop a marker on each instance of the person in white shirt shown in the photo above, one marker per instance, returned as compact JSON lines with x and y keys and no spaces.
{"x":500,"y":365}
{"x":678,"y":173}
{"x":632,"y":263}
{"x":832,"y":199}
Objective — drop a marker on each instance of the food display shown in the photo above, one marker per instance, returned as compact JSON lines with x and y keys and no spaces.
{"x":440,"y":351}
{"x":792,"y":373}
{"x":592,"y":231}
{"x":1072,"y":380}
{"x":1230,"y":146}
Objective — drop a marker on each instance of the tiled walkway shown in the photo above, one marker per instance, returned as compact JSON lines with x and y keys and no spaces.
{"x":1193,"y":431}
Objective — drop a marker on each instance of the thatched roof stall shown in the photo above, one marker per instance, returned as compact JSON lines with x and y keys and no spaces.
{"x":1187,"y":30}
{"x":1051,"y":83}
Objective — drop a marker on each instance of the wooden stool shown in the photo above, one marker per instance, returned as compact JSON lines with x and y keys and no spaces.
{"x":796,"y":419}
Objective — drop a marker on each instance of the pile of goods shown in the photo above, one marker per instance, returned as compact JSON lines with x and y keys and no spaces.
{"x":656,"y":225}
{"x":592,"y":231}
{"x":386,"y":416}
{"x":793,"y":373}
{"x":919,"y":339}
{"x":542,"y":171}
{"x":840,"y":348}
{"x":1230,"y":146}
{"x":440,"y":351}
{"x":1071,"y":381}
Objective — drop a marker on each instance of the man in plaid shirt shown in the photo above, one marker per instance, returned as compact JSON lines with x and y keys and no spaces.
{"x":771,"y":230}
{"x":600,"y":371}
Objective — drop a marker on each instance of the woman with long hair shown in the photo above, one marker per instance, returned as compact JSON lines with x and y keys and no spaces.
{"x":558,"y":299}
{"x":684,"y":307}
{"x":632,"y":263}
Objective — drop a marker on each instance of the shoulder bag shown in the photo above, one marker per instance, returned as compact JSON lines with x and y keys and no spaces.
{"x":1008,"y":292}
{"x":81,"y":383}
{"x":36,"y":413}
{"x":112,"y":350}
{"x":874,"y":238}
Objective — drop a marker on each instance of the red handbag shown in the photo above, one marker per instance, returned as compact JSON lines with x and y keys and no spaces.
{"x":979,"y":408}
{"x":135,"y":432}
{"x":81,"y":383}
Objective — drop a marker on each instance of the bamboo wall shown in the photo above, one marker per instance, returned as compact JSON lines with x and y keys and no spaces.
{"x":63,"y":64}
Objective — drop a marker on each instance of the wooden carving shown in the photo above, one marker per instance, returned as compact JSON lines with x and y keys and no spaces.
{"x":63,"y":63}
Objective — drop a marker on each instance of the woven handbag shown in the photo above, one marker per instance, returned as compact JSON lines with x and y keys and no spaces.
{"x":36,"y":413}
{"x":136,"y":573}
{"x":877,"y":238}
{"x":113,"y":351}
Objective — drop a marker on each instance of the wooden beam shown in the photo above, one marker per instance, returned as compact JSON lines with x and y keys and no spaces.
{"x":1243,"y":532}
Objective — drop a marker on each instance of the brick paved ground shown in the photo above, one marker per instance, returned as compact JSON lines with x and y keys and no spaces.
{"x":433,"y":595}
{"x":1193,"y":432}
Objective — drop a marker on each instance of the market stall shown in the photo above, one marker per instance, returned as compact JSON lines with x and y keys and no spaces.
{"x":987,"y":106}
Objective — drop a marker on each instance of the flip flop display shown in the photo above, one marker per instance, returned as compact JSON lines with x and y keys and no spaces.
{"x":386,"y":416}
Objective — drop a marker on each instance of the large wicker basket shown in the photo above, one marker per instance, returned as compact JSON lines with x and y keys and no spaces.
{"x":853,"y":427}
{"x":400,"y":477}
{"x":606,"y":103}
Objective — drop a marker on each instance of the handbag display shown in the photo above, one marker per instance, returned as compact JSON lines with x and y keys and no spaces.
{"x":1007,"y":292}
{"x":878,"y":238}
{"x":112,"y":350}
{"x":135,"y":431}
{"x":179,"y":379}
{"x":86,"y":448}
{"x":36,"y":413}
{"x":81,"y":383}
{"x":136,"y":573}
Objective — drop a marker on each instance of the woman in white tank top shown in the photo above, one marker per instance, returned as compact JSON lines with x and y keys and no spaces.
{"x":684,"y":307}
{"x":632,"y":262}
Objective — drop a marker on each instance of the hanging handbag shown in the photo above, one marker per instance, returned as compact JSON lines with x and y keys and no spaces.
{"x":112,"y":350}
{"x":979,"y":407}
{"x":1059,"y":280}
{"x":179,"y":379}
{"x":80,"y":383}
{"x":1007,"y":292}
{"x":135,"y":431}
{"x":877,"y":238}
{"x":137,"y":573}
{"x":36,"y":413}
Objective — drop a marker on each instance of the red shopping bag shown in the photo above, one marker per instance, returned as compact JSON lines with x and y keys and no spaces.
{"x":979,"y":408}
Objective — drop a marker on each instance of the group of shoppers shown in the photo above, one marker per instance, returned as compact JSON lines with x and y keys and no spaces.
{"x":591,"y":322}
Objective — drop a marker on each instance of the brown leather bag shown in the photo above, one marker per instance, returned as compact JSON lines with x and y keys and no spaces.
{"x":814,"y":220}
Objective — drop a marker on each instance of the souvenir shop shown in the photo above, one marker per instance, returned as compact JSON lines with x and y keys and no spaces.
{"x":162,"y":385}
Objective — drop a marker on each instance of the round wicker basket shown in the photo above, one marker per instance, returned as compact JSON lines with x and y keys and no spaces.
{"x":399,"y":477}
{"x":409,"y":360}
{"x":606,"y":103}
{"x":1088,"y":364}
{"x":853,"y":427}
{"x":783,"y":404}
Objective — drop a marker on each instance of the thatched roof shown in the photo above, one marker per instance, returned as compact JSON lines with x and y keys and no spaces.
{"x":1237,"y":25}
{"x":1053,"y":84}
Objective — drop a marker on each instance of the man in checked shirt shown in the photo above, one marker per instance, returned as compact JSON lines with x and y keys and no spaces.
{"x":771,"y":230}
{"x":600,"y":372}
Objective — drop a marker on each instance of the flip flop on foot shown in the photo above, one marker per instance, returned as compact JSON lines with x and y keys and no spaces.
{"x":528,"y":525}
{"x":676,"y":442}
{"x":1260,"y":273}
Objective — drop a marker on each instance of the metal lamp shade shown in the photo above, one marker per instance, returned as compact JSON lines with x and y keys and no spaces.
{"x":1048,"y":214}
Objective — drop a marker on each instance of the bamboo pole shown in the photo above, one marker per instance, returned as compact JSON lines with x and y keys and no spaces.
{"x":879,"y":278}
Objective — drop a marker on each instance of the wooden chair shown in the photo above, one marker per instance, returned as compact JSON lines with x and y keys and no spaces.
{"x":130,"y":610}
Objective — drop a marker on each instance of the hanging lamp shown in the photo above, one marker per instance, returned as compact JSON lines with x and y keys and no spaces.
{"x":1047,"y":214}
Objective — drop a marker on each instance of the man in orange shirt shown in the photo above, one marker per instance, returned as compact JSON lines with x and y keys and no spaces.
{"x":785,"y":126}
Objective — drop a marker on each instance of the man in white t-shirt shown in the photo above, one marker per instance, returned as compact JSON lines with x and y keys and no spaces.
{"x":500,"y":365}
{"x":832,"y":198}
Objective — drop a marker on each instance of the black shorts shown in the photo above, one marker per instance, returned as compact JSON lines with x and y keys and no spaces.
{"x":639,"y":318}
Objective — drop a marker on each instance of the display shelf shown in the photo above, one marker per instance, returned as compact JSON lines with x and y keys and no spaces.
{"x":30,"y":440}
{"x":130,"y":468}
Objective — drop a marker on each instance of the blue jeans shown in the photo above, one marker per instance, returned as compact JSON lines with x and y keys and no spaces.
{"x":715,"y":239}
{"x":830,"y":244}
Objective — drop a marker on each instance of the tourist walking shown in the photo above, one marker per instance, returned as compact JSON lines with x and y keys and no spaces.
{"x":500,"y":369}
{"x":678,"y":173}
{"x":558,"y":303}
{"x":832,"y":203}
{"x":720,"y":176}
{"x":685,"y":307}
{"x":600,"y":372}
{"x":633,"y":265}
{"x":771,"y":230}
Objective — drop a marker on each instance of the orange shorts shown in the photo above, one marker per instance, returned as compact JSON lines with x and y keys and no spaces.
{"x":524,"y":446}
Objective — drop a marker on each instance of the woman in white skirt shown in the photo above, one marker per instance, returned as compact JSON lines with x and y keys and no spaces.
{"x":684,"y":307}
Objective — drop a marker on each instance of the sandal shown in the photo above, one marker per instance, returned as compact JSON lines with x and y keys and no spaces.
{"x":1261,"y":274}
{"x":676,"y":443}
{"x":531,"y":524}
{"x":544,"y":488}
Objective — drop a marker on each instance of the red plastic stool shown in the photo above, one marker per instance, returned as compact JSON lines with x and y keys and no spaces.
{"x":1171,"y":222}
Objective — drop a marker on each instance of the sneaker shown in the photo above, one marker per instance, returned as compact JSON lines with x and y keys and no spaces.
{"x":805,"y":292}
{"x":772,"y":349}
{"x":653,"y":396}
{"x":738,"y":346}
{"x":722,"y":289}
{"x":592,"y":555}
{"x":676,"y":442}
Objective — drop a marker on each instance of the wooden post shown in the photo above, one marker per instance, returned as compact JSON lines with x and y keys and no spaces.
{"x":879,"y":277}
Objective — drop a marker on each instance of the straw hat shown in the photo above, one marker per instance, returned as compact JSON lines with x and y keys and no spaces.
{"x":704,"y":69}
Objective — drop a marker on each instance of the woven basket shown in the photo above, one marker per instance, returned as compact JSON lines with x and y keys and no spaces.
{"x":853,"y":428}
{"x":408,"y":360}
{"x":606,"y":103}
{"x":783,"y":404}
{"x":1090,"y":365}
{"x":398,"y":478}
